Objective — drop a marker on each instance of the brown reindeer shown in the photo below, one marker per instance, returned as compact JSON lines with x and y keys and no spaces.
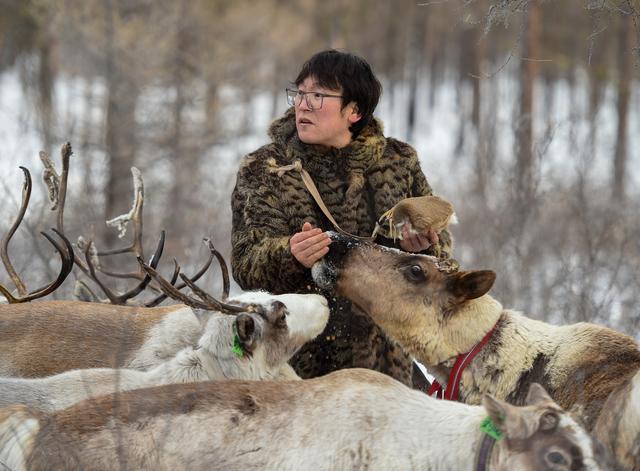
{"x":437,"y":314}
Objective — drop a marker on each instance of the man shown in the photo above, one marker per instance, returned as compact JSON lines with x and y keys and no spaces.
{"x":278,"y":229}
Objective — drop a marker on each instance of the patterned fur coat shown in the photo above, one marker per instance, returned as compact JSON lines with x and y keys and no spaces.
{"x":357,"y":183}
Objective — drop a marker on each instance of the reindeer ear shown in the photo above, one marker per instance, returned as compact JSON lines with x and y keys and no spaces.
{"x":514,"y":422}
{"x":537,"y":395}
{"x":471,"y":284}
{"x":246,"y":328}
{"x":497,"y":411}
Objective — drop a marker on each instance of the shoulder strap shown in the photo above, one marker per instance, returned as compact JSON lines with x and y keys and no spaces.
{"x":313,"y":190}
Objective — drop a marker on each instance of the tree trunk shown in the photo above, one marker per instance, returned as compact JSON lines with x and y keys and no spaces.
{"x":182,"y":158}
{"x":46,"y":78}
{"x":120,"y":135}
{"x":84,"y":154}
{"x":416,"y":65}
{"x":624,"y":93}
{"x":524,"y":130}
{"x":482,"y":147}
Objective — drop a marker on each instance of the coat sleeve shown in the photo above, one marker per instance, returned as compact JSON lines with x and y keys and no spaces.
{"x":260,"y":254}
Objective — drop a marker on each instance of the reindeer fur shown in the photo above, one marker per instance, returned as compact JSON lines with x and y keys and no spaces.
{"x":272,"y":345}
{"x":350,"y":419}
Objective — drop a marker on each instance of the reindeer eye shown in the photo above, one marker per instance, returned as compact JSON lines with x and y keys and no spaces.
{"x":556,"y":458}
{"x":279,"y":314}
{"x":414,"y":273}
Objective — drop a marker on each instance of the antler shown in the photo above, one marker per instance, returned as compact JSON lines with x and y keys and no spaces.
{"x":206,"y":301}
{"x":174,"y":278}
{"x":91,"y":265}
{"x":223,"y":268}
{"x":66,"y":254}
{"x":122,"y":298}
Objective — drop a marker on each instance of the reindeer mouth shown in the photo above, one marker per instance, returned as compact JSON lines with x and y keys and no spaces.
{"x":324,"y":274}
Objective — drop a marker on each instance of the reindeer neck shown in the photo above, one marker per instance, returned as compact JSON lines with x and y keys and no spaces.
{"x":517,"y":354}
{"x":212,"y":359}
{"x":438,"y":343}
{"x":461,"y":431}
{"x":196,"y":363}
{"x":217,"y":358}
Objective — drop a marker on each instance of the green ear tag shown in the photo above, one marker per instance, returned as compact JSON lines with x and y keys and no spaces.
{"x":237,"y":346}
{"x":487,"y":427}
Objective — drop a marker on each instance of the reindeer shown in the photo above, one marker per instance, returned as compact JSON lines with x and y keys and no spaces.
{"x":249,"y":345}
{"x":442,"y":315}
{"x":348,"y":419}
{"x":48,"y":338}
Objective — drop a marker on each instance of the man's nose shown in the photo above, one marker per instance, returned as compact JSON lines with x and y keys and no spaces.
{"x":304,"y":103}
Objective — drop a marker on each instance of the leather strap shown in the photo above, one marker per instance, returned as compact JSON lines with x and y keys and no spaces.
{"x":453,"y":383}
{"x":484,"y":453}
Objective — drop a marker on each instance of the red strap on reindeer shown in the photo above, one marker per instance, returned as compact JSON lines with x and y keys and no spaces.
{"x":453,"y":383}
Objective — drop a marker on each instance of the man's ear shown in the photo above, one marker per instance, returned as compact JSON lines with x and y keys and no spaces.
{"x":354,"y":115}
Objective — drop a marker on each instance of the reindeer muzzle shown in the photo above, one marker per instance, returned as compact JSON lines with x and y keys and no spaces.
{"x":325,"y":272}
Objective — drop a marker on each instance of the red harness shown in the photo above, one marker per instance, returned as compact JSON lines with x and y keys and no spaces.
{"x":453,"y":383}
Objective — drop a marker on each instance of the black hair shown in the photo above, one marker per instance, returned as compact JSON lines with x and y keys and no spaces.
{"x":336,"y":70}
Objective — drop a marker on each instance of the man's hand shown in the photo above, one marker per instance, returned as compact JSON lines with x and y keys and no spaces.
{"x":417,"y":242}
{"x":310,"y":245}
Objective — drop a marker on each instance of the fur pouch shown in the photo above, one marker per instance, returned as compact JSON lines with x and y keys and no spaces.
{"x":422,"y":213}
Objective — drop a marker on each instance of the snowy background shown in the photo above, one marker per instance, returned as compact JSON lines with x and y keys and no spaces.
{"x":568,"y":252}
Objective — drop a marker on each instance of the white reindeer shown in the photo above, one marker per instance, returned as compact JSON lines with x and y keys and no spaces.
{"x":251,"y":345}
{"x":41,"y":339}
{"x":350,"y":419}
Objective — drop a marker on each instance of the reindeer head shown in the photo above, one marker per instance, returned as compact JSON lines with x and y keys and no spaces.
{"x":256,"y":344}
{"x":541,"y":436}
{"x":281,"y":324}
{"x":431,"y":308}
{"x":264,"y":328}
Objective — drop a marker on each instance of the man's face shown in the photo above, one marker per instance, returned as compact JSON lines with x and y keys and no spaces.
{"x":329,"y":125}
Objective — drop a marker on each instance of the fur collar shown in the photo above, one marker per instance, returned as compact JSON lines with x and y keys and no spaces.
{"x":320,"y":161}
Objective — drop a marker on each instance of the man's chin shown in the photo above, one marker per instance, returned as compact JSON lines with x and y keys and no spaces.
{"x":305,"y":136}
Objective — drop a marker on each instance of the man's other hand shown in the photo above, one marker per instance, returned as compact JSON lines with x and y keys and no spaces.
{"x":412,"y":242}
{"x":309,"y":245}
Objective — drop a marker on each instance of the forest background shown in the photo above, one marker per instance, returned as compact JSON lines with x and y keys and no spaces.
{"x":525,"y":114}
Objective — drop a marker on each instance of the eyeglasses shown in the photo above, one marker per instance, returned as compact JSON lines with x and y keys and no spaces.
{"x":314,"y":99}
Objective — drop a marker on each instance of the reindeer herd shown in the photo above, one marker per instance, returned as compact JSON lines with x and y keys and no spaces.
{"x":204,"y":383}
